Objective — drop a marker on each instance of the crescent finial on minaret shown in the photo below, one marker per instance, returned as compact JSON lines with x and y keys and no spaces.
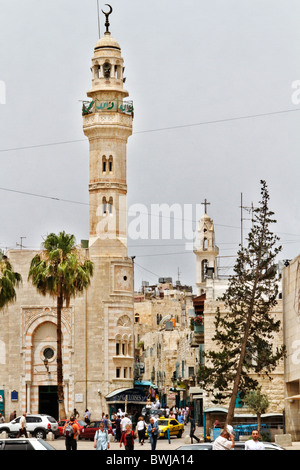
{"x":107,"y":15}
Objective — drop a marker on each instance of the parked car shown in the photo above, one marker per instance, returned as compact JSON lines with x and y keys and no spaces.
{"x":237,"y":446}
{"x":24,"y":444}
{"x":164,"y":424}
{"x":90,"y":430}
{"x":38,"y":426}
{"x":81,"y":424}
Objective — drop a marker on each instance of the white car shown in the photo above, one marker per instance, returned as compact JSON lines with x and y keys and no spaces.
{"x":37,"y":425}
{"x":24,"y":444}
{"x":238,"y":446}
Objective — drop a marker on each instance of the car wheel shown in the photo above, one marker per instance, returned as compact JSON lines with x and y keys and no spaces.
{"x":40,"y":434}
{"x":5,"y":430}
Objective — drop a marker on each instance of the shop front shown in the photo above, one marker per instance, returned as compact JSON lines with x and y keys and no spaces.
{"x":127,"y":400}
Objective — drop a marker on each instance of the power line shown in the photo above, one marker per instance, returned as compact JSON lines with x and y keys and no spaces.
{"x":160,"y":129}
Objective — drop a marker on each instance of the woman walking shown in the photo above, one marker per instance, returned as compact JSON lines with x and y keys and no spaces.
{"x":141,"y":429}
{"x":128,"y":437}
{"x":101,"y":441}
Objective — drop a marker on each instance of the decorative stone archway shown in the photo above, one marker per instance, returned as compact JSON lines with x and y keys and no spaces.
{"x":39,"y":353}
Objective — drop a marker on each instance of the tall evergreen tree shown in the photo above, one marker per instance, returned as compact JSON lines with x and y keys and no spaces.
{"x":61,"y":271}
{"x":244,"y":330}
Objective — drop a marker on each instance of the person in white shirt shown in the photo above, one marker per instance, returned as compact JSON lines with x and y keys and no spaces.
{"x":225,"y":441}
{"x":254,"y":443}
{"x":124,"y":422}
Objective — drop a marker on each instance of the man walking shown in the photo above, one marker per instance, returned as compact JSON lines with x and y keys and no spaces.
{"x":153,"y":433}
{"x":71,"y":431}
{"x":22,"y":430}
{"x":192,"y":430}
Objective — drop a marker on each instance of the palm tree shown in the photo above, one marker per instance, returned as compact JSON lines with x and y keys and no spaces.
{"x":60,"y":270}
{"x":9,"y":280}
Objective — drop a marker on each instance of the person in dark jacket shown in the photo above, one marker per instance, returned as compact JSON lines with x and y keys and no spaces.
{"x":192,"y":430}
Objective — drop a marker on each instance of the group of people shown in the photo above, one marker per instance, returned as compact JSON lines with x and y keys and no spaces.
{"x":226,"y":440}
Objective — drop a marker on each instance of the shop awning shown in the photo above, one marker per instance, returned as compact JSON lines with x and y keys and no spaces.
{"x":145,"y":383}
{"x":127,"y":395}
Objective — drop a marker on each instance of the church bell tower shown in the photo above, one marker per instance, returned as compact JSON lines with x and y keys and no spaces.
{"x":206,"y":252}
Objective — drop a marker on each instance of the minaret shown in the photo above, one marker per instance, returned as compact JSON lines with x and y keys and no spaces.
{"x":206,"y":252}
{"x":107,"y":122}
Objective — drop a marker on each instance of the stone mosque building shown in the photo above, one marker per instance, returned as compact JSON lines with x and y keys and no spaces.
{"x":97,"y":327}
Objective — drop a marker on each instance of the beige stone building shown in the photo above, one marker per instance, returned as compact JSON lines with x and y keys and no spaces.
{"x":97,"y":327}
{"x":163,"y":341}
{"x":291,"y":308}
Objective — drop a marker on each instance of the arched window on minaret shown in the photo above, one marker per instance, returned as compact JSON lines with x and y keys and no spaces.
{"x":104,"y":204}
{"x":110,"y":205}
{"x":205,"y":244}
{"x":110,"y":164}
{"x":104,"y":164}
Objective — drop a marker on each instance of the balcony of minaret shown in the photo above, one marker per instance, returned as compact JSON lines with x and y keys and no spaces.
{"x":108,"y":106}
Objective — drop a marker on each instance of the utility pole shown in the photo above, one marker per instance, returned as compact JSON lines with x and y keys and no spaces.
{"x":21,"y":243}
{"x":250,"y":210}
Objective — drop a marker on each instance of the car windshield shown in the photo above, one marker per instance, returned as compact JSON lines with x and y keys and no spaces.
{"x":163,"y":422}
{"x":45,"y":444}
{"x":81,"y":423}
{"x":52,"y":420}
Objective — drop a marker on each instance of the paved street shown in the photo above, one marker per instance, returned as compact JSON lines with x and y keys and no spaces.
{"x":162,"y":444}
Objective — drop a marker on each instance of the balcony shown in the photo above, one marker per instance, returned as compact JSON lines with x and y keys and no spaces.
{"x":197,"y":336}
{"x":96,"y":106}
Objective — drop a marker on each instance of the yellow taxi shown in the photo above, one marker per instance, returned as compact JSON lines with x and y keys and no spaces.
{"x":174,"y":427}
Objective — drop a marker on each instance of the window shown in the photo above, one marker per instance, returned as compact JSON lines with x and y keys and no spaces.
{"x":117,"y":349}
{"x":110,"y":164}
{"x":118,"y":372}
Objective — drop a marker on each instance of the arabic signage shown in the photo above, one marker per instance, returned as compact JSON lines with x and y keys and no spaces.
{"x":125,"y":107}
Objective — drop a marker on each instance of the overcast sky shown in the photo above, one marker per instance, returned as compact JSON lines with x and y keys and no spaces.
{"x":189,"y":64}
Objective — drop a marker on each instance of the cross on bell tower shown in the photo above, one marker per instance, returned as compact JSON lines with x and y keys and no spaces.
{"x":205,"y":204}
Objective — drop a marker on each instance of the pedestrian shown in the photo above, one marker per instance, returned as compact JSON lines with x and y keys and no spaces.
{"x":141,"y":429}
{"x":13,"y":415}
{"x":75,"y":414}
{"x":225,"y":441}
{"x":124,"y":422}
{"x":128,"y":437}
{"x":180,"y":418}
{"x":71,"y":432}
{"x":192,"y":430}
{"x":2,"y":420}
{"x":87,"y":416}
{"x":118,"y":428}
{"x":101,"y":441}
{"x":254,"y":443}
{"x":153,"y":431}
{"x":106,"y":422}
{"x":22,"y":430}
